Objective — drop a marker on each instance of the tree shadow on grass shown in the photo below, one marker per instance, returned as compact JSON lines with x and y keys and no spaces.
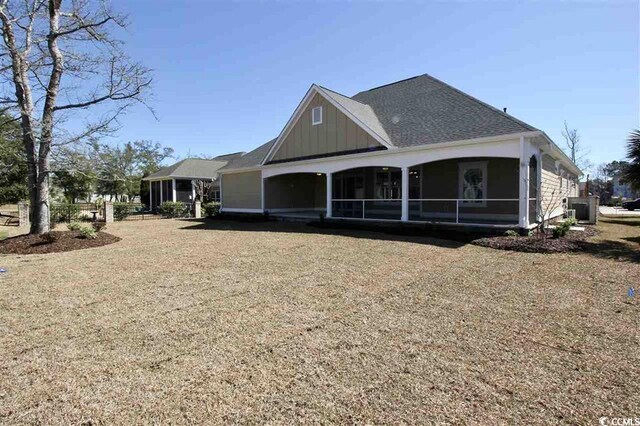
{"x":444,"y":238}
{"x":615,"y":250}
{"x":628,"y":222}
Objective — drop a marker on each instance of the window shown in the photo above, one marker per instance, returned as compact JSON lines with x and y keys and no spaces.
{"x":316,"y":115}
{"x":216,"y":196}
{"x":472,"y":184}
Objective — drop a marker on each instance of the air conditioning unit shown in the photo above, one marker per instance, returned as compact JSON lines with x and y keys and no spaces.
{"x":571,"y":213}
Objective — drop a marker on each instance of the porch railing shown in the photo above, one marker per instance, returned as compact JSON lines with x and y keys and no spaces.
{"x":367,"y":208}
{"x":499,"y":211}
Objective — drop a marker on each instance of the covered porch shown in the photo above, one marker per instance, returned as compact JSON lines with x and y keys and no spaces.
{"x":161,"y":190}
{"x":467,"y":191}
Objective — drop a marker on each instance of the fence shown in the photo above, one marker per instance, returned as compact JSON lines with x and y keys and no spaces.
{"x":132,"y":211}
{"x":82,"y":212}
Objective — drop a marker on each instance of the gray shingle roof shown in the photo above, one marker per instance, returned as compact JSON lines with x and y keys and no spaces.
{"x":252,"y":158}
{"x":362,"y":111}
{"x":417,"y":111}
{"x":423,"y":110}
{"x":194,"y":168}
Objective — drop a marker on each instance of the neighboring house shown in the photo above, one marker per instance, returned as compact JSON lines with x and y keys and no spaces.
{"x":416,"y":150}
{"x":177,"y":182}
{"x":622,"y":189}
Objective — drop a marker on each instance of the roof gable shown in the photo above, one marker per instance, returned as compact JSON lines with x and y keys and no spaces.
{"x":361,"y":115}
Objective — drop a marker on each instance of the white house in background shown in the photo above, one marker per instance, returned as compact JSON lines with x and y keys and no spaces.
{"x":417,"y":150}
{"x":623,"y":189}
{"x":177,"y":181}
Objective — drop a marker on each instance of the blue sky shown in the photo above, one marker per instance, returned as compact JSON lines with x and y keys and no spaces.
{"x":229,"y":74}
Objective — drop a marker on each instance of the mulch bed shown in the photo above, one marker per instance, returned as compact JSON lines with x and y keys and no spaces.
{"x":66,"y":241}
{"x":571,"y":242}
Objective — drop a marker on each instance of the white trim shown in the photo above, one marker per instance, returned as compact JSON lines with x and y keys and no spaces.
{"x":299,"y":209}
{"x":177,"y":177}
{"x":513,"y":137}
{"x":234,"y":210}
{"x":462,"y":167}
{"x":313,"y":115}
{"x":161,"y":195}
{"x":262,"y":192}
{"x":306,"y":100}
{"x":329,"y":209}
{"x":173,"y":190}
{"x":404,"y":189}
{"x":523,"y":184}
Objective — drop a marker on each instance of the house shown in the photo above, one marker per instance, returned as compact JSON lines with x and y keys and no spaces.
{"x":178,"y":181}
{"x":417,"y":150}
{"x":622,"y":189}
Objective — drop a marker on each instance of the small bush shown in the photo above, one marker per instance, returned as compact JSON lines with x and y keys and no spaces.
{"x":99,"y":226}
{"x":174,"y":209}
{"x":3,"y":235}
{"x":74,"y":226}
{"x":211,"y":209}
{"x":561,"y":229}
{"x":120,"y":211}
{"x":511,"y":233}
{"x":88,"y":233}
{"x":571,"y":221}
{"x":49,"y":237}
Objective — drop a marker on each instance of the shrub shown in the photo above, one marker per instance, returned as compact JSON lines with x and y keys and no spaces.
{"x":3,"y":235}
{"x":98,"y":226}
{"x":571,"y":221}
{"x":511,"y":233}
{"x":74,"y":226}
{"x":120,"y":211}
{"x":88,"y":233}
{"x":49,"y":237}
{"x":561,"y":229}
{"x":174,"y":209}
{"x":211,"y":209}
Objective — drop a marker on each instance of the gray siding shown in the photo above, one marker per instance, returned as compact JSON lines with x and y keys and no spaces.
{"x":337,"y":133}
{"x":242,"y":190}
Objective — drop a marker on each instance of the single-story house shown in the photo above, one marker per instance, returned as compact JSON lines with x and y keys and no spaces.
{"x":417,"y":150}
{"x":177,"y":182}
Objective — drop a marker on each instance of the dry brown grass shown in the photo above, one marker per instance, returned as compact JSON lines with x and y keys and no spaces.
{"x":255,"y":323}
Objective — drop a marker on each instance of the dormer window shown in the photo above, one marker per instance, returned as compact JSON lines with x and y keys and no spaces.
{"x":316,"y":115}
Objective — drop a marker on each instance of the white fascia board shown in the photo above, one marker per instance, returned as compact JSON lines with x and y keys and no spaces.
{"x":420,"y":148}
{"x":555,"y":151}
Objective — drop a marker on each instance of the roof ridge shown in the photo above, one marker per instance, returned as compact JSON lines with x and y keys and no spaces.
{"x":391,"y":84}
{"x":473,"y":98}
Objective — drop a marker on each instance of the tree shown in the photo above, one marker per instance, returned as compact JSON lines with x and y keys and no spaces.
{"x":577,"y":152}
{"x":74,"y":185}
{"x":121,"y":169}
{"x":42,"y":42}
{"x":632,"y":173}
{"x":13,"y":164}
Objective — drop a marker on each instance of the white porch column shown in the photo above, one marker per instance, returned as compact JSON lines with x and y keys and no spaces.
{"x":150,"y":194}
{"x":405,"y":194}
{"x":193,"y":192}
{"x":329,"y":213}
{"x":173,"y":189}
{"x":262,"y":194}
{"x":523,"y":216}
{"x":161,"y":195}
